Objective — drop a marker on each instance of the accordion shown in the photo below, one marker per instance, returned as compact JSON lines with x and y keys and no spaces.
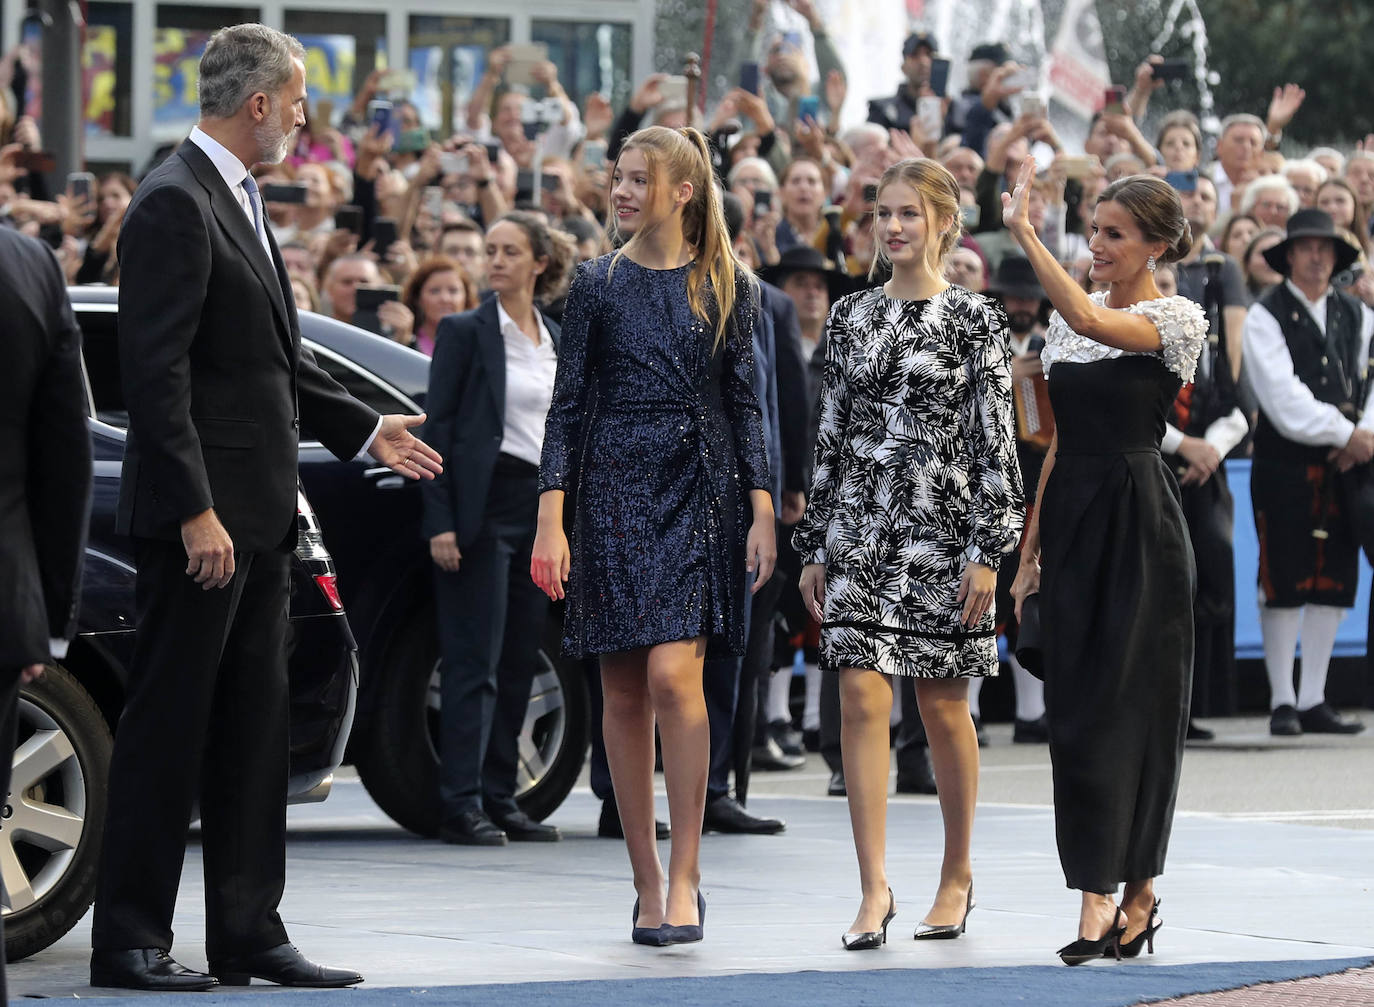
{"x":1034,"y":417}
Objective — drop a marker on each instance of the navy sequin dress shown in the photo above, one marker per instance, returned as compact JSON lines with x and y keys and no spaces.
{"x":657,"y":439}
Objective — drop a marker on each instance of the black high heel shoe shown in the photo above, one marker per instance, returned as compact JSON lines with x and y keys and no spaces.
{"x":945,"y":932}
{"x":687,"y":933}
{"x":652,"y":936}
{"x":870,"y":940}
{"x":1085,"y":949}
{"x":1146,"y":937}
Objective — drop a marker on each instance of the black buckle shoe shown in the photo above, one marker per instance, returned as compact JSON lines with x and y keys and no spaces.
{"x":1322,"y":719}
{"x":472,"y":828}
{"x":283,"y":965}
{"x":1283,"y":722}
{"x":725,"y":814}
{"x":521,"y":828}
{"x":146,"y":969}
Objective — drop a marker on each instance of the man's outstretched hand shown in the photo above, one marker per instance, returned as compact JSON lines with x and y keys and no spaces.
{"x":401,"y":451}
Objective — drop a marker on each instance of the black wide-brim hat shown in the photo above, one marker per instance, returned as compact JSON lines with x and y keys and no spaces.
{"x":1015,"y":277}
{"x":805,"y":259}
{"x":1311,"y":223}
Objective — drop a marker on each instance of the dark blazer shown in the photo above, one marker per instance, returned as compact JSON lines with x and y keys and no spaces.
{"x":45,"y":455}
{"x":214,"y":376}
{"x":794,"y":393}
{"x":466,"y":406}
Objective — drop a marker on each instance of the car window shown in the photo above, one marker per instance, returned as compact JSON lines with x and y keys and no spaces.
{"x":359,"y":383}
{"x":101,"y":352}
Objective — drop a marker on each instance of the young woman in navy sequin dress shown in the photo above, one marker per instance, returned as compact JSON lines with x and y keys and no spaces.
{"x":655,"y":432}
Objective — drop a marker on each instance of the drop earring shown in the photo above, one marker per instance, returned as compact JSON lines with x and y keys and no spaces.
{"x":1150,"y":263}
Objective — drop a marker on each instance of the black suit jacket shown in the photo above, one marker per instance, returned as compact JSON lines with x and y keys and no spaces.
{"x":794,"y":394}
{"x":214,"y":376}
{"x":45,"y":455}
{"x":466,"y":406}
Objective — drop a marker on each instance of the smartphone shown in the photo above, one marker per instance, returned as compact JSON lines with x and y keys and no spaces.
{"x":808,"y":107}
{"x":493,"y":151}
{"x":1182,"y":181}
{"x":434,"y":201}
{"x":80,"y":185}
{"x":870,"y":193}
{"x":1079,"y":166}
{"x":285,"y":192}
{"x":451,"y":163}
{"x":1114,"y":100}
{"x":763,"y":202}
{"x":549,"y":183}
{"x":1026,"y":77}
{"x":930,"y":112}
{"x":1174,"y":68}
{"x":749,"y":77}
{"x":42,"y":161}
{"x":524,"y":186}
{"x":523,"y":59}
{"x":379,"y":115}
{"x":349,"y":218}
{"x":594,"y":154}
{"x":674,"y":90}
{"x":939,"y":75}
{"x":792,"y":38}
{"x":366,"y":301}
{"x":324,"y":113}
{"x":1032,"y":106}
{"x":383,"y":235}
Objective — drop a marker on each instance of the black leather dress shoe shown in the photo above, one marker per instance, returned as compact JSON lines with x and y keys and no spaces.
{"x":609,"y":826}
{"x":1196,"y":732}
{"x":1031,"y":732}
{"x":836,"y":787}
{"x":521,"y":828}
{"x":472,"y":828}
{"x":725,"y":814}
{"x":1284,"y":722}
{"x":788,"y":739}
{"x":1322,"y":719}
{"x":917,"y":775}
{"x":769,"y":757}
{"x":283,"y":965}
{"x":146,"y":969}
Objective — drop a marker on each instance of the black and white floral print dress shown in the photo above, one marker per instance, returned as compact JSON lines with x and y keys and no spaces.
{"x":915,"y":477}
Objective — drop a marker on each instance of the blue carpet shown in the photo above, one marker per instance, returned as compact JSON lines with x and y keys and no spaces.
{"x":1105,"y":985}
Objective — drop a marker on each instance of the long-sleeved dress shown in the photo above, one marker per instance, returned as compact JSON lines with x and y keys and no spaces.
{"x":657,"y":437}
{"x":1116,"y":597}
{"x":915,"y":476}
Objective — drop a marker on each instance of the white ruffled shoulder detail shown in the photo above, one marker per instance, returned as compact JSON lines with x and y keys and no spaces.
{"x":1181,"y":323}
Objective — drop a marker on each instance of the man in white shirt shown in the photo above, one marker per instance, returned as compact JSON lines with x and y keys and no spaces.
{"x":1307,"y":348}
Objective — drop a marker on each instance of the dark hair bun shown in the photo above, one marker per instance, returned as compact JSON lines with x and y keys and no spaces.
{"x":1182,"y":245}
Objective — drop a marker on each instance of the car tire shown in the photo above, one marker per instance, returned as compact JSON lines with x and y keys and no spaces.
{"x":52,"y":823}
{"x":398,"y":760}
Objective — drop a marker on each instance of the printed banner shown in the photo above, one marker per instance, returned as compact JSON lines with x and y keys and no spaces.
{"x":1079,"y":74}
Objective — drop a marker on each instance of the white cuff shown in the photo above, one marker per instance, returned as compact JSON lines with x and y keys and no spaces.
{"x":58,"y":647}
{"x":1173,"y":439}
{"x":367,"y":444}
{"x":1224,"y":434}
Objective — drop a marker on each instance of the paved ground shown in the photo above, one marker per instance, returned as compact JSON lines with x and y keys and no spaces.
{"x":1272,"y":859}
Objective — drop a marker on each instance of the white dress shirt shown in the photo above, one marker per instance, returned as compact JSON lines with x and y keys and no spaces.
{"x":1289,"y":404}
{"x":233,"y":171}
{"x":529,"y":387}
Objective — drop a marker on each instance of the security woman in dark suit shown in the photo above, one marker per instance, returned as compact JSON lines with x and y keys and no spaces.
{"x":490,"y":385}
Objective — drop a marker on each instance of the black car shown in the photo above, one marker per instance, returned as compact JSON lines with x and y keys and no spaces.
{"x":372,"y":517}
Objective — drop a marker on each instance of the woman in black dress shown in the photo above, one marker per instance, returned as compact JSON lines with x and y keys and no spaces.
{"x":1118,"y":576}
{"x":655,"y":431}
{"x":916,"y":497}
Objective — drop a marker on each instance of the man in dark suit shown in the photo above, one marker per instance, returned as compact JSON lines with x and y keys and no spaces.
{"x":216,"y":382}
{"x":45,"y":476}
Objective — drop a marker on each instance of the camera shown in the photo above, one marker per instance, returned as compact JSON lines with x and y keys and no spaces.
{"x":1347,"y":278}
{"x":537,"y":116}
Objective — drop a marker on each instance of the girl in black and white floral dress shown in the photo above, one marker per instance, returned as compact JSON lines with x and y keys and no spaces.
{"x":916,"y":497}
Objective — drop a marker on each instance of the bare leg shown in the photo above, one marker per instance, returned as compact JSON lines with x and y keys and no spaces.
{"x":954,"y":756}
{"x":675,"y":692}
{"x":1137,"y":899}
{"x":628,"y":728}
{"x":865,"y":715}
{"x":1096,"y":917}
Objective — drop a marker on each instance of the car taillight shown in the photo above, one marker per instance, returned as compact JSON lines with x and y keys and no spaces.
{"x":329,"y":587}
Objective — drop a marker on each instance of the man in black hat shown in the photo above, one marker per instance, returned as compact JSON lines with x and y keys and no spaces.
{"x":1307,"y":347}
{"x":897,"y":112}
{"x":814,"y":284}
{"x":1016,"y":284}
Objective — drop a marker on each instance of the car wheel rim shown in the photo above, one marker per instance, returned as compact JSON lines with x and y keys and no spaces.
{"x":544,"y":732}
{"x":44,"y":816}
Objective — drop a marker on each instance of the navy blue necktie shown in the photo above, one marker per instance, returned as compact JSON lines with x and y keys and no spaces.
{"x":250,"y":186}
